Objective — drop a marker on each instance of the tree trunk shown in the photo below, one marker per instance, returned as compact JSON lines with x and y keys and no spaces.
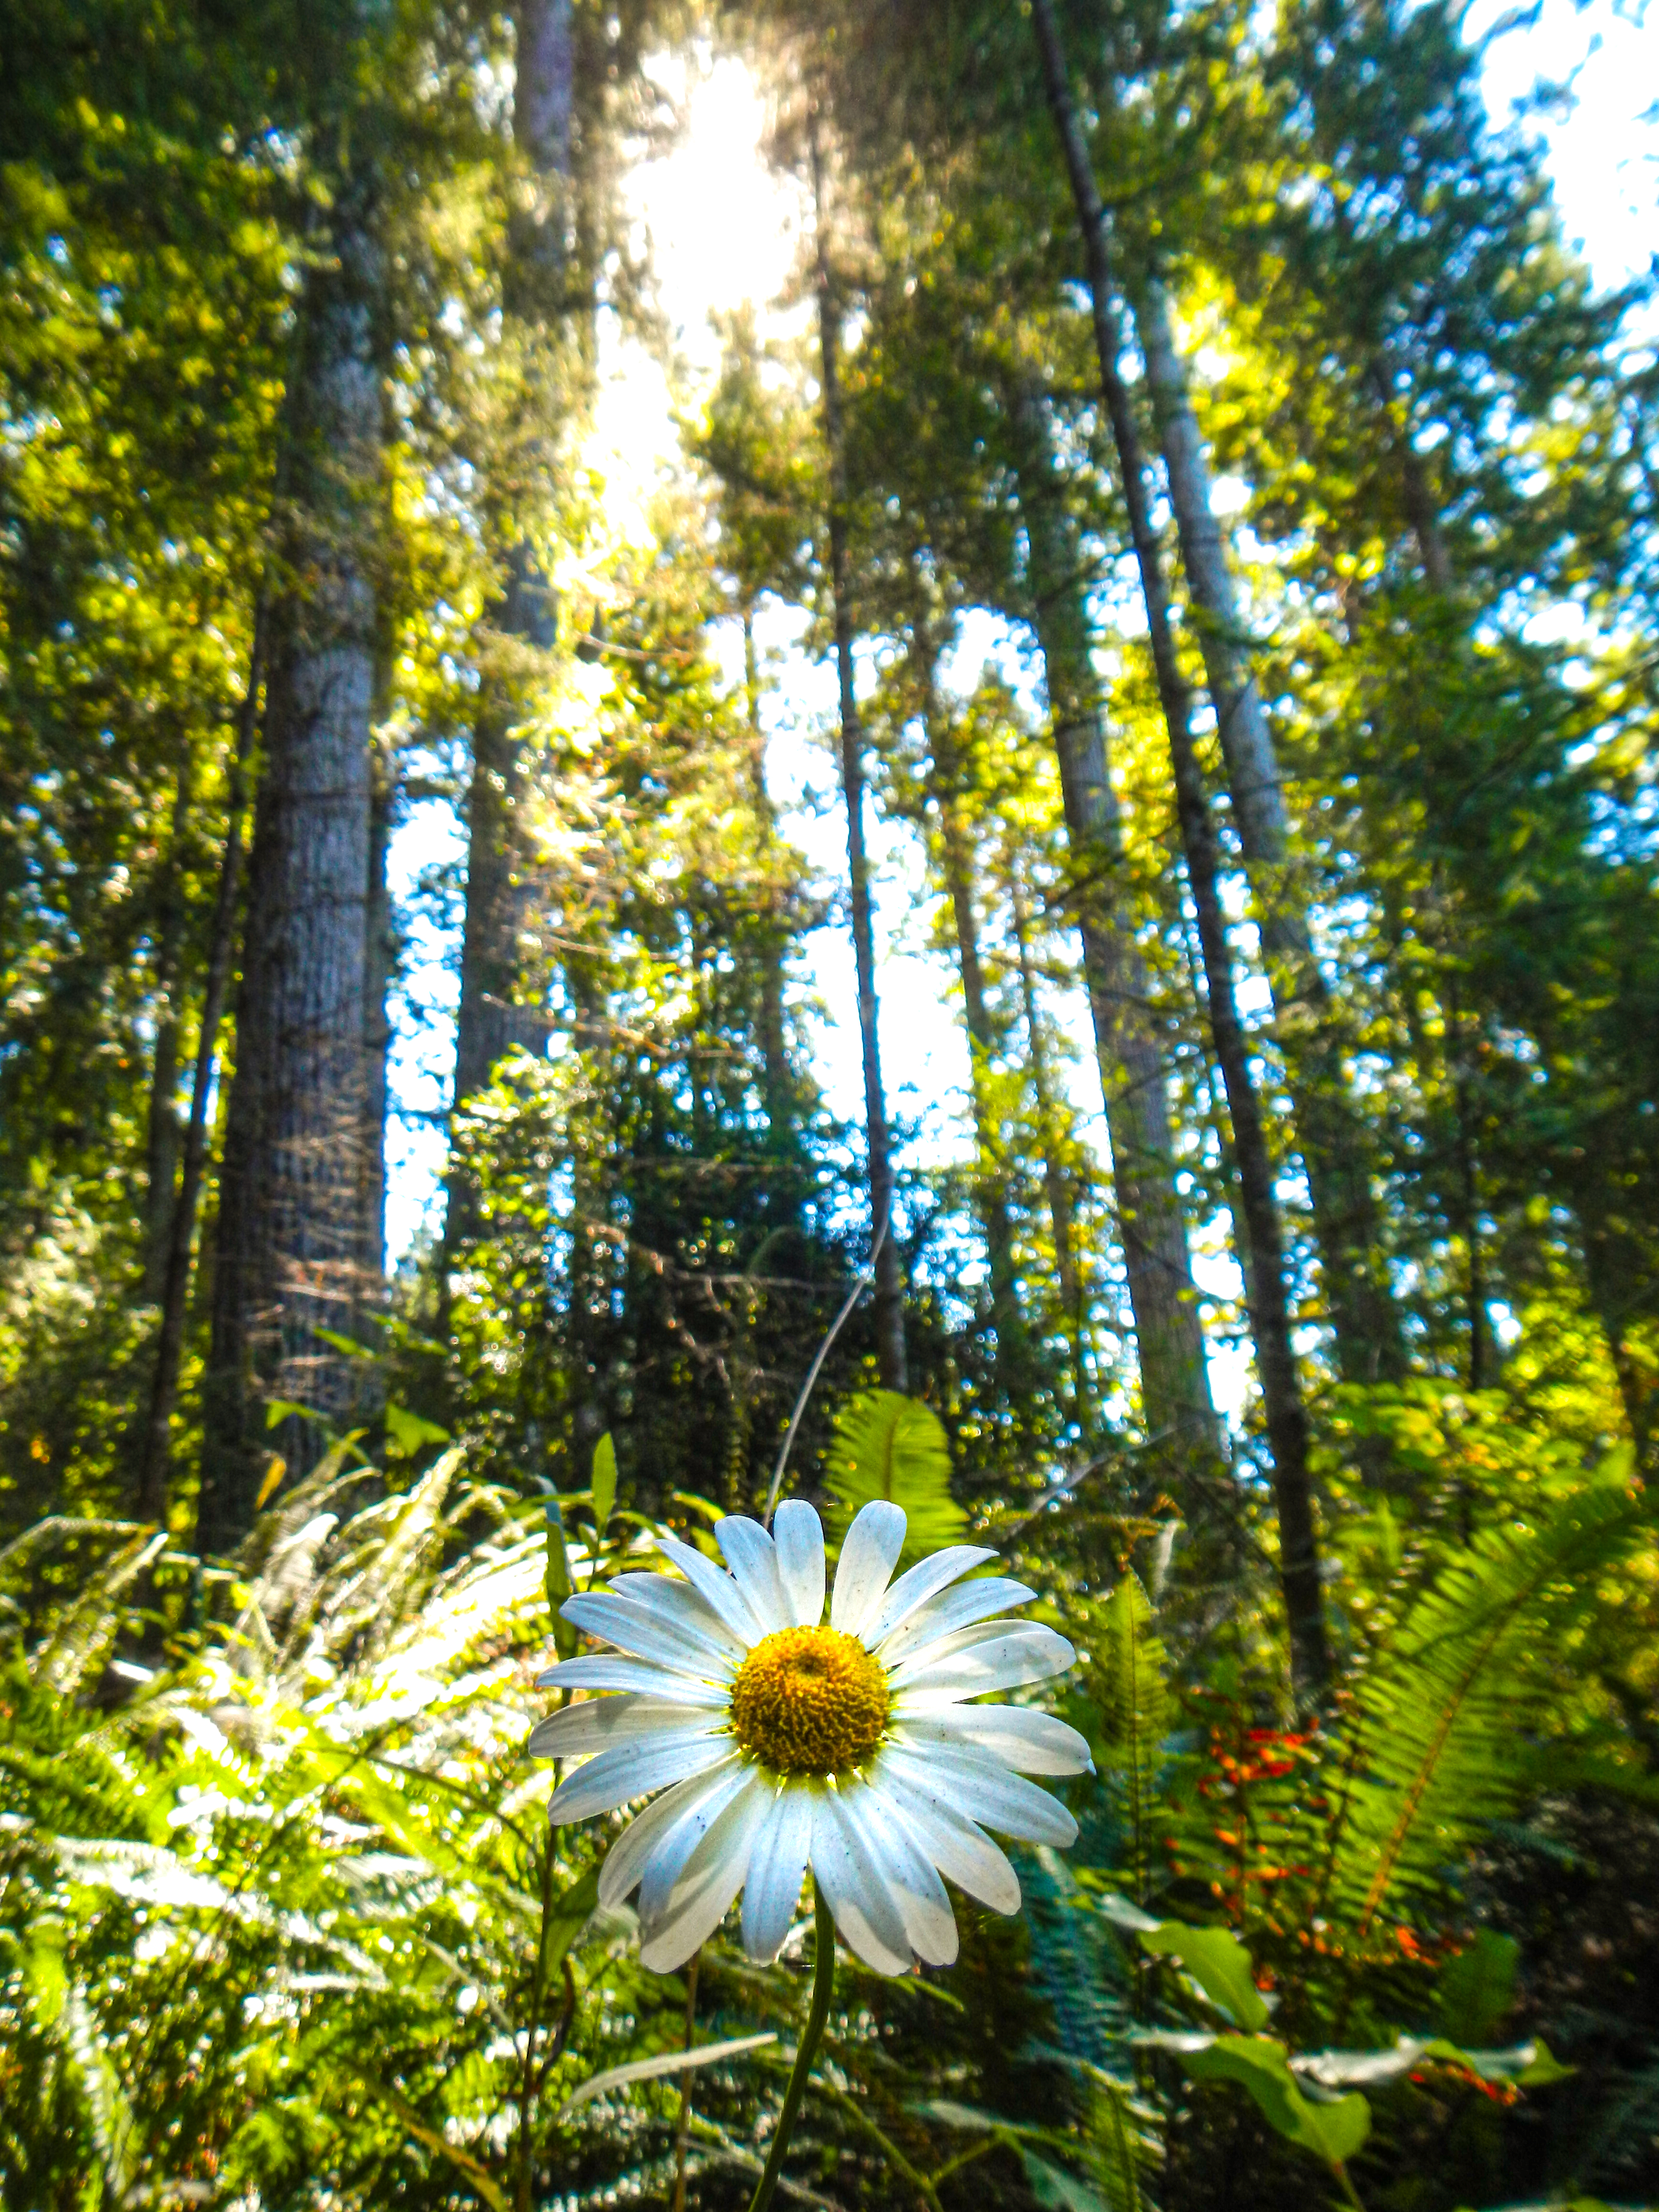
{"x":890,"y":1294}
{"x":292,"y":1257}
{"x":957,"y":857}
{"x":1332,"y":1142}
{"x":777,"y":1078}
{"x":152,"y":1503}
{"x":490,"y":1021}
{"x":162,"y":1133}
{"x":1175,"y":1382}
{"x":380,"y":958}
{"x":1265,"y":1266}
{"x":1056,"y":1184}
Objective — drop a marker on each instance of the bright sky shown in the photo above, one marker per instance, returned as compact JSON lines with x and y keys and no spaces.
{"x":723,"y":231}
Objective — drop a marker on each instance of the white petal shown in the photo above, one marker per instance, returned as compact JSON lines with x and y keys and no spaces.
{"x":918,"y":1584}
{"x":993,"y":1656}
{"x":982,"y":1790}
{"x":625,"y":1861}
{"x":668,"y":1598}
{"x":929,"y":1923}
{"x":714,"y":1878}
{"x":754,"y":1566}
{"x":649,"y":1637}
{"x":634,"y":1770}
{"x":845,"y":1869}
{"x":716,"y":1587}
{"x":597,"y":1722}
{"x":961,"y":1853}
{"x":799,"y":1535}
{"x":866,"y":1563}
{"x":1035,"y":1743}
{"x":677,"y":1845}
{"x":777,"y":1867}
{"x":607,"y":1674}
{"x":952,"y":1612}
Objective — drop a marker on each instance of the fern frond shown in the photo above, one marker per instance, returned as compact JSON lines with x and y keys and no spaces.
{"x":1443,"y":1715}
{"x":889,"y":1446}
{"x":1127,"y":1682}
{"x":99,"y":2084}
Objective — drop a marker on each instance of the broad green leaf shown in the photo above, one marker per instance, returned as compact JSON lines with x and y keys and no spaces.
{"x":1530,"y":2063}
{"x":406,"y":1433}
{"x":605,"y":1481}
{"x":666,"y":2062}
{"x":1122,"y":1913}
{"x":889,"y":1446}
{"x":557,"y":1578}
{"x":1333,"y":2132}
{"x":1218,"y":1962}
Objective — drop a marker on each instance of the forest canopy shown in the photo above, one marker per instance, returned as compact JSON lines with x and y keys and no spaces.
{"x":1179,"y":557}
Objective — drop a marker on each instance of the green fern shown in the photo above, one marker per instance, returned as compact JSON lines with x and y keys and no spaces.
{"x":887,"y":1445}
{"x":1444,"y":1716}
{"x":1128,"y":1682}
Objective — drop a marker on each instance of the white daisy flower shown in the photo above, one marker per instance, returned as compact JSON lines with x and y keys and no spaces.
{"x":780,"y":1744}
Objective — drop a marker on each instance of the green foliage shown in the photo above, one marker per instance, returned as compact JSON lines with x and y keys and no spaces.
{"x":886,"y":1445}
{"x":1439,"y":1738}
{"x":1132,"y":1716}
{"x":1332,"y":2132}
{"x":1218,"y":1962}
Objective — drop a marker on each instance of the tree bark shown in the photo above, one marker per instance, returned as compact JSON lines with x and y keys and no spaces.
{"x":1265,"y":1265}
{"x":291,"y":1256}
{"x":1364,"y":1321}
{"x":777,"y":1077}
{"x":154,"y":1451}
{"x":163,"y":1134}
{"x":489,"y":1020}
{"x":1175,"y":1382}
{"x":1055,"y":1181}
{"x":379,"y":959}
{"x":889,"y":1293}
{"x":958,"y":864}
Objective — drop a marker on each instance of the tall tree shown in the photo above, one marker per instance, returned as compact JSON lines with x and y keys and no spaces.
{"x":1265,"y":1261}
{"x":523,"y":619}
{"x":1331,"y":1137}
{"x":295,"y":1255}
{"x":890,"y":1287}
{"x":1175,"y":1383}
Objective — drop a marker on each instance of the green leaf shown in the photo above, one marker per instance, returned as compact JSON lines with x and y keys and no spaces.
{"x":568,"y":1915}
{"x":1543,"y":2068}
{"x":605,"y":1481}
{"x":665,"y":2062}
{"x":1477,"y":1987}
{"x":1055,"y":2189}
{"x":1333,"y":2132}
{"x":347,"y":1345}
{"x":557,"y":1581}
{"x":889,"y":1446}
{"x":1531,"y":2064}
{"x":278,"y":1410}
{"x":1218,"y":1962}
{"x":405,"y":1432}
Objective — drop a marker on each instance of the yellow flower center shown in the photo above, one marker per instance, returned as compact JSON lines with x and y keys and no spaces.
{"x":810,"y":1701}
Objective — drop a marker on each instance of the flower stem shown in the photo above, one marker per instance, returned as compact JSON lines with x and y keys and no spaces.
{"x":824,"y":1974}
